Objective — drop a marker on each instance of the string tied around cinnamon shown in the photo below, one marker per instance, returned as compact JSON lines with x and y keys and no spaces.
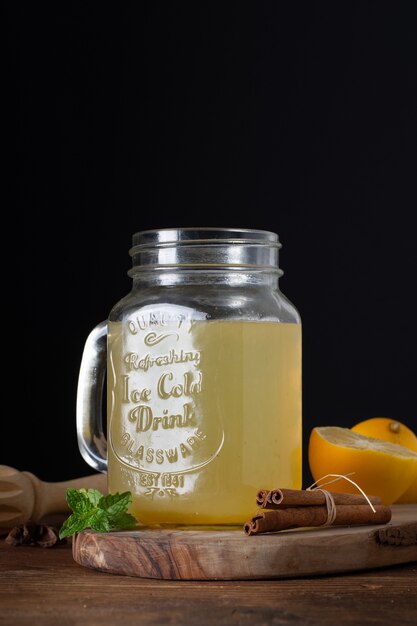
{"x":330,"y":503}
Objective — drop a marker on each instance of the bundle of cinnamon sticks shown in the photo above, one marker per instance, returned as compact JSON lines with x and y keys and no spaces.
{"x":293,"y":508}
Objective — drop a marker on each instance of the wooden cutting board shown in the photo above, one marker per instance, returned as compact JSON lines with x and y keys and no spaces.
{"x":231,"y":555}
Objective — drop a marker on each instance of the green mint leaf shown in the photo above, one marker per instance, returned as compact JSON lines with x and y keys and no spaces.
{"x":99,"y":521}
{"x":93,"y":495}
{"x":78,"y":501}
{"x":124,"y":521}
{"x":72,"y":525}
{"x":93,"y":510}
{"x":115,"y":504}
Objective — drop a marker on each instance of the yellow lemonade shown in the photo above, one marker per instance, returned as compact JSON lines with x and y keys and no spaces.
{"x":201,"y":415}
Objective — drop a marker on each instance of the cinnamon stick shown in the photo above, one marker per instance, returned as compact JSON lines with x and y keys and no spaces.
{"x":262,"y":496}
{"x":279,"y":498}
{"x":310,"y":516}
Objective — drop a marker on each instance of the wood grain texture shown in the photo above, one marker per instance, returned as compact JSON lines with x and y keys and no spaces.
{"x":230,"y":555}
{"x":47,"y":587}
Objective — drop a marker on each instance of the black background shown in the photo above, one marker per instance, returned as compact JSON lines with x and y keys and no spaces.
{"x":294,"y":117}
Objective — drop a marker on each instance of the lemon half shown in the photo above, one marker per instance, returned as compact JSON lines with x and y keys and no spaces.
{"x":381,"y":468}
{"x":396,"y":432}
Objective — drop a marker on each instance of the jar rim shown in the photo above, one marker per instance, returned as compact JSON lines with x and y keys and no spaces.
{"x":208,"y":235}
{"x":205,"y":247}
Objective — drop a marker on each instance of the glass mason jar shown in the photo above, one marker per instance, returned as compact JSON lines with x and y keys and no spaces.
{"x":203,"y":379}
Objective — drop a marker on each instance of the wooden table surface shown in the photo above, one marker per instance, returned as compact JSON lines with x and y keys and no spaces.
{"x":46,"y":587}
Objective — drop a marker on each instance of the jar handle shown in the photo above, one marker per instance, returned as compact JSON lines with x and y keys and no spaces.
{"x":91,"y":438}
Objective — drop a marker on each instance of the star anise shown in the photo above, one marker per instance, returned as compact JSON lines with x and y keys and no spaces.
{"x":31,"y":534}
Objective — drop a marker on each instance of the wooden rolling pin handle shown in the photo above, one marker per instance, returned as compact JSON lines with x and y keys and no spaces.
{"x":51,"y":497}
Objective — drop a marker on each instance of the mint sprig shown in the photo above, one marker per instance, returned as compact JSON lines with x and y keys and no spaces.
{"x":91,"y":509}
